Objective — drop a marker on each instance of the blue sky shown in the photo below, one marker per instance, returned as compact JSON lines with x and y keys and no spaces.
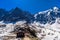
{"x":32,"y":6}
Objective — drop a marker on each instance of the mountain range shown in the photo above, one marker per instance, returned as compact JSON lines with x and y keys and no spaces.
{"x":45,"y":23}
{"x":14,"y":15}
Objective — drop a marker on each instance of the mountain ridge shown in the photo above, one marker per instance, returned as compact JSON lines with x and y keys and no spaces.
{"x":17,"y":14}
{"x":48,"y":15}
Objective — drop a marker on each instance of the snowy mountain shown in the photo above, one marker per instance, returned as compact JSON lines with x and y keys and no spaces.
{"x":45,"y":23}
{"x":14,"y":15}
{"x":48,"y":16}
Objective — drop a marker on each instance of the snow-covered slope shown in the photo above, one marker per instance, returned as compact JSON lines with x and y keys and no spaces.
{"x":48,"y":16}
{"x":46,"y":24}
{"x":47,"y":31}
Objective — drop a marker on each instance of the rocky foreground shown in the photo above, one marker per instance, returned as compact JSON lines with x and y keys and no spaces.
{"x":32,"y":31}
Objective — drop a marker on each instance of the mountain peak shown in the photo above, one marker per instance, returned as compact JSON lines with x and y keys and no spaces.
{"x":55,"y":8}
{"x":17,"y":8}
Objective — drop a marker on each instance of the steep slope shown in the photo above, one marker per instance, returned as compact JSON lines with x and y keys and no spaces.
{"x":48,"y":16}
{"x":15,"y":15}
{"x":47,"y":31}
{"x":3,"y":13}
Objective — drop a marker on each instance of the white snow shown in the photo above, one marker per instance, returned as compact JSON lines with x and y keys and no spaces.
{"x":44,"y":31}
{"x":55,"y":8}
{"x":47,"y":31}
